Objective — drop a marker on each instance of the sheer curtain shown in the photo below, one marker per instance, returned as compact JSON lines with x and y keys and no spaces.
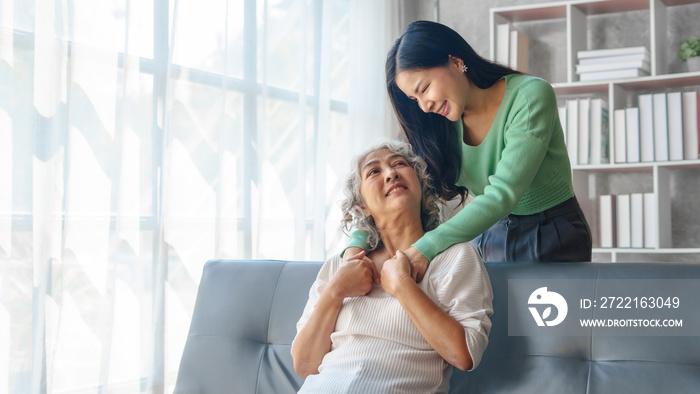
{"x":139,"y":139}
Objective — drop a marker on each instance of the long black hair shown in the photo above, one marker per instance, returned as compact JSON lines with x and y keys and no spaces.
{"x":424,"y":45}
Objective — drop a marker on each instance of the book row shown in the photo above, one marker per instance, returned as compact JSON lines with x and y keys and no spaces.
{"x":512,"y":48}
{"x":586,"y":131}
{"x":628,"y":220}
{"x":665,"y":126}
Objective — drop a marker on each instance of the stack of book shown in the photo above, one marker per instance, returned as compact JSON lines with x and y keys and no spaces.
{"x":609,"y":64}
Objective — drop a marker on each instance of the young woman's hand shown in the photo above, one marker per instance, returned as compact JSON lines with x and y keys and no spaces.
{"x":419,"y":264}
{"x":355,"y":277}
{"x":351,"y":253}
{"x":395,"y":271}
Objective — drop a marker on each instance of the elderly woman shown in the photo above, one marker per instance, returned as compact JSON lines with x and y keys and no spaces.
{"x":368,"y":327}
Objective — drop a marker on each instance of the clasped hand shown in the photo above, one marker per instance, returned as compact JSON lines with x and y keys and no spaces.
{"x":395,"y":272}
{"x":358,"y":273}
{"x":355,"y":276}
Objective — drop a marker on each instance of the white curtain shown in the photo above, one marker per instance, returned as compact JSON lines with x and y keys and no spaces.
{"x":139,"y":139}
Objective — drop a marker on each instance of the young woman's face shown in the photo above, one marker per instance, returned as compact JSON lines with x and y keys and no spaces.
{"x":441,"y":90}
{"x":389,"y":185}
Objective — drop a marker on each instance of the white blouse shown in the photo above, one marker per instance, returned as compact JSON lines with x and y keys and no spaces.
{"x":376,"y":348}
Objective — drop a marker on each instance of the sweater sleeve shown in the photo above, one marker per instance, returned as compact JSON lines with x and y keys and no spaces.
{"x":358,"y":239}
{"x":527,"y":129}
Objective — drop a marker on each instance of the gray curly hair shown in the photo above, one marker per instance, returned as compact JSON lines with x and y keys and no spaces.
{"x":351,"y":206}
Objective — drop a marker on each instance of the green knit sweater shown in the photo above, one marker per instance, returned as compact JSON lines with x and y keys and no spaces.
{"x":522,"y":166}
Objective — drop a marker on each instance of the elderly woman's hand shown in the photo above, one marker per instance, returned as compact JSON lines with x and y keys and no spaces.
{"x":419,"y":264}
{"x":395,"y":271}
{"x":355,"y":277}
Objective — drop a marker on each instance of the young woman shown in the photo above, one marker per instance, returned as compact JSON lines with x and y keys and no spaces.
{"x":494,"y":133}
{"x":362,"y":332}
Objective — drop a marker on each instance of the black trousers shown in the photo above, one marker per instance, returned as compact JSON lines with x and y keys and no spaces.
{"x":559,"y":234}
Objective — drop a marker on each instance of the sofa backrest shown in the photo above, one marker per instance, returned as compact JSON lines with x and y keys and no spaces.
{"x":582,"y":364}
{"x":246,"y":312}
{"x":243,"y":324}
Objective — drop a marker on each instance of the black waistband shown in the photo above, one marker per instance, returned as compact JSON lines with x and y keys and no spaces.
{"x":568,"y":206}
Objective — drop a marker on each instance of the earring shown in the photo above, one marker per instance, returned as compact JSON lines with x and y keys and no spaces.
{"x":464,"y":68}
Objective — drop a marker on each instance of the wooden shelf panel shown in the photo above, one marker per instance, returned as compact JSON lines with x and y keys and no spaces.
{"x":557,"y":10}
{"x":679,"y":2}
{"x":530,"y":13}
{"x":646,"y":166}
{"x":658,"y":82}
{"x":579,"y":88}
{"x":678,"y":80}
{"x":611,"y":6}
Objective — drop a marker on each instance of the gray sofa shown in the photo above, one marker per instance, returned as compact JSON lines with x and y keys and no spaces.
{"x":245,"y":315}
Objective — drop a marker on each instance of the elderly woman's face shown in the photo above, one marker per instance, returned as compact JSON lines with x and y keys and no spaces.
{"x":389,"y":184}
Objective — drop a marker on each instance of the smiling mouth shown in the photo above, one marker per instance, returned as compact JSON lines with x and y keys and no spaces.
{"x":395,"y":189}
{"x":442,"y":111}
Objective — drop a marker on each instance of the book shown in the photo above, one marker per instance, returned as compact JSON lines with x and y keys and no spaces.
{"x":646,"y":128}
{"x":651,"y":225}
{"x":620,"y":137}
{"x":562,"y":120}
{"x":613,"y":52}
{"x":607,"y":216}
{"x":584,"y":120}
{"x":586,"y":68}
{"x":624,"y":237}
{"x":599,"y":151}
{"x":615,"y":59}
{"x":632,"y":134}
{"x":612,"y":74}
{"x":675,"y":126}
{"x":503,"y":43}
{"x":572,"y":130}
{"x":660,"y":127}
{"x":519,"y":56}
{"x":691,"y":125}
{"x":637,"y":220}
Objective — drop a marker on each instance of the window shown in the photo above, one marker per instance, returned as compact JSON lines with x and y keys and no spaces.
{"x":139,"y":139}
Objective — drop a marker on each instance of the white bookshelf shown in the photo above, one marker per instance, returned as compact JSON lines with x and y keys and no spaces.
{"x":572,"y":16}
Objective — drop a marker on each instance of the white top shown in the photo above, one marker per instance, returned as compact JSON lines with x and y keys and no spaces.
{"x":376,"y":348}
